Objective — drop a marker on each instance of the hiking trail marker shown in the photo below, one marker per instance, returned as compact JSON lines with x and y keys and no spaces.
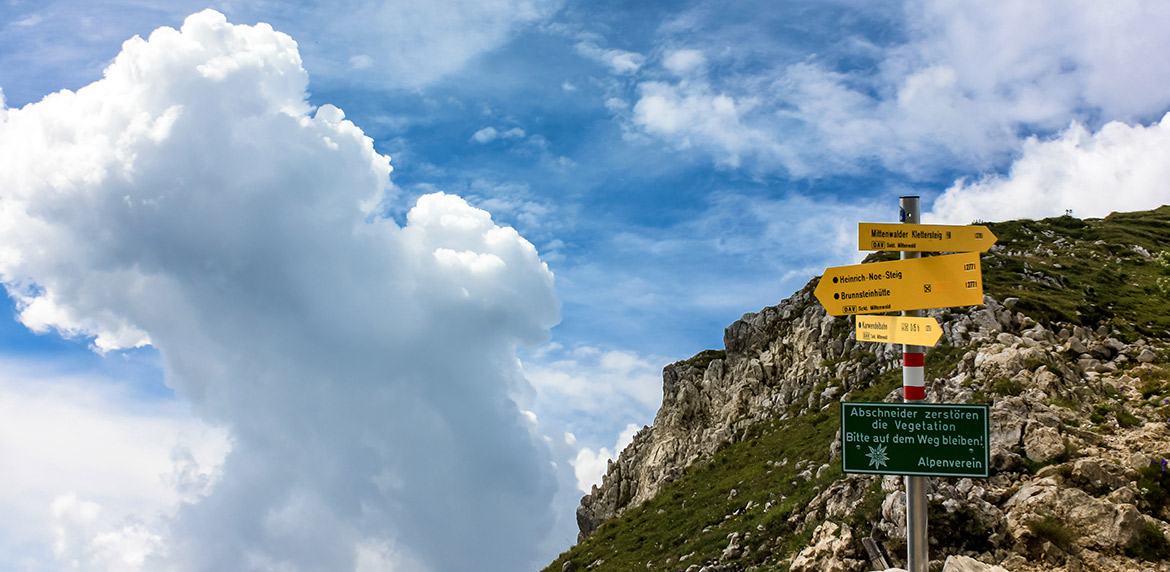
{"x":898,"y":330}
{"x":923,"y":237}
{"x":911,"y":284}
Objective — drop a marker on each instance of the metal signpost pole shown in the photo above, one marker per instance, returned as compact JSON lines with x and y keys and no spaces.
{"x":914,"y":390}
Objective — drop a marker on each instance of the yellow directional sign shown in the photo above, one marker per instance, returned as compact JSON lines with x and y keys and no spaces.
{"x":898,"y":330}
{"x":923,"y":237}
{"x":913,"y":284}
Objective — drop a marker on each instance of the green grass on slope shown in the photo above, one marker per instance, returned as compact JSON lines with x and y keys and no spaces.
{"x":695,"y":514}
{"x":1093,"y":273}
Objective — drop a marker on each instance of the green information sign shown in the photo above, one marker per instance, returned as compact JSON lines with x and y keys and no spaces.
{"x":929,"y":439}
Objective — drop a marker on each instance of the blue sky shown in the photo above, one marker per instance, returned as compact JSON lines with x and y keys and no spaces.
{"x":211,"y":273}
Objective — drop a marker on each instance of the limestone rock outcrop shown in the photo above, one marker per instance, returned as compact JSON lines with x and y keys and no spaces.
{"x":773,"y":362}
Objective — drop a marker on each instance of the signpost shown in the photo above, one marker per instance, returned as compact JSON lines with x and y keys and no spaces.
{"x":914,"y":439}
{"x":913,"y":284}
{"x":923,"y":237}
{"x":933,"y":440}
{"x":898,"y":330}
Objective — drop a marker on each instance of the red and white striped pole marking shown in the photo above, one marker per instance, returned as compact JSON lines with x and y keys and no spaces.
{"x":913,"y":376}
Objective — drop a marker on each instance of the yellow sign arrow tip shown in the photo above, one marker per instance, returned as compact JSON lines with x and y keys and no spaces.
{"x":898,"y":330}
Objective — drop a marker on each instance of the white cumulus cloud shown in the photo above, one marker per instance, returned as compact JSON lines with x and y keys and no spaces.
{"x":1119,"y":168}
{"x":193,"y":200}
{"x":90,"y":468}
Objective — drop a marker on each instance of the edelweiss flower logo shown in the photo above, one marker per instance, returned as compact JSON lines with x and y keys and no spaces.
{"x":877,"y":456}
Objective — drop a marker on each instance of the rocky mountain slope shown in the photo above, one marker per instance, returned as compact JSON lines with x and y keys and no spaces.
{"x":741,"y":468}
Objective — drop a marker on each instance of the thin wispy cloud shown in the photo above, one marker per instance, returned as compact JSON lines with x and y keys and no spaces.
{"x":408,"y":44}
{"x":621,"y":62}
{"x":958,"y":91}
{"x":393,"y":45}
{"x":489,"y":134}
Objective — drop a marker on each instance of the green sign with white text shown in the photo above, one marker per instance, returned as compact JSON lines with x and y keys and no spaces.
{"x":929,"y":439}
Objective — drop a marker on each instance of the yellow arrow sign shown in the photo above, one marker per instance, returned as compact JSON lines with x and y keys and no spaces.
{"x":923,"y":237}
{"x":914,"y":284}
{"x":898,"y":330}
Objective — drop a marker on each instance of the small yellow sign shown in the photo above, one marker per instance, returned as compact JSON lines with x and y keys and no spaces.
{"x":923,"y":237}
{"x":913,"y":284}
{"x":898,"y":330}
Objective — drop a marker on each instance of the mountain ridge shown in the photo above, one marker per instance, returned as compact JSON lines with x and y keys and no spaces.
{"x":1069,"y":349}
